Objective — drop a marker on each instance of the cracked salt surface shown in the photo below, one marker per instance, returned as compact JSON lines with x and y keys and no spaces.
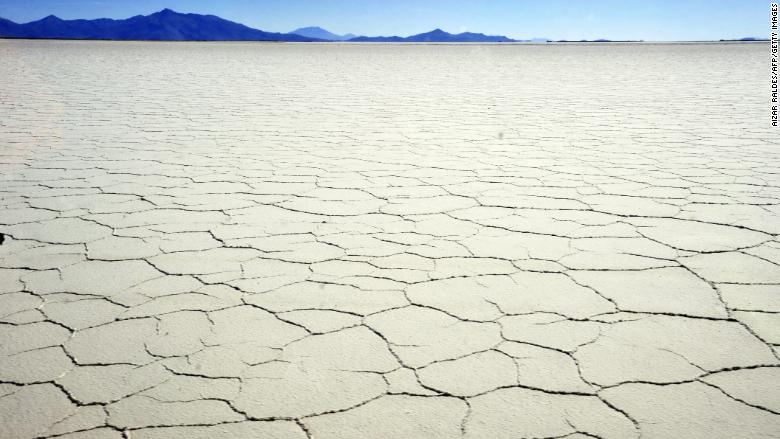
{"x":377,"y":241}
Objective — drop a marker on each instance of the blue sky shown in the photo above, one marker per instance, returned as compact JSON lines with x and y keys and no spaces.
{"x":616,"y":19}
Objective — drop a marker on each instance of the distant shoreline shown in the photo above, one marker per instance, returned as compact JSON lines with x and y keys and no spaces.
{"x":169,"y":25}
{"x":453,"y":43}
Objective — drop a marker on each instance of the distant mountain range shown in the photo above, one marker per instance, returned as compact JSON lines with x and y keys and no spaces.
{"x":321,"y":34}
{"x":439,"y":36}
{"x":749,"y":39}
{"x":168,"y":25}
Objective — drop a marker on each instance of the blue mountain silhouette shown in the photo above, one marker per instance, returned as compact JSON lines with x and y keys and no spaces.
{"x":440,"y":36}
{"x":165,"y":25}
{"x":168,"y":25}
{"x":321,"y":34}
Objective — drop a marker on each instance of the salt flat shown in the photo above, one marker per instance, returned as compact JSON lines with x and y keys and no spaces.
{"x":229,"y":240}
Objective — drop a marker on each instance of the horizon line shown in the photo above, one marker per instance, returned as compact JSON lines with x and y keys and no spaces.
{"x":745,"y":39}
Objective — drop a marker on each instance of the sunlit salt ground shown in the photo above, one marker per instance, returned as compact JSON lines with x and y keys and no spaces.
{"x":385,"y":241}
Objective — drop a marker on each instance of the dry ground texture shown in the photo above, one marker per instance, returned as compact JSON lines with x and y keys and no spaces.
{"x":386,"y":241}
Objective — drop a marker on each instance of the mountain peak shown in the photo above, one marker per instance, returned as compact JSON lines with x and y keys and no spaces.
{"x":320,"y":33}
{"x":51,"y":18}
{"x":440,"y":36}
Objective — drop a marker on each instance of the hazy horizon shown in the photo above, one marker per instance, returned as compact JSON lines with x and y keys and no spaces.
{"x":658,"y":20}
